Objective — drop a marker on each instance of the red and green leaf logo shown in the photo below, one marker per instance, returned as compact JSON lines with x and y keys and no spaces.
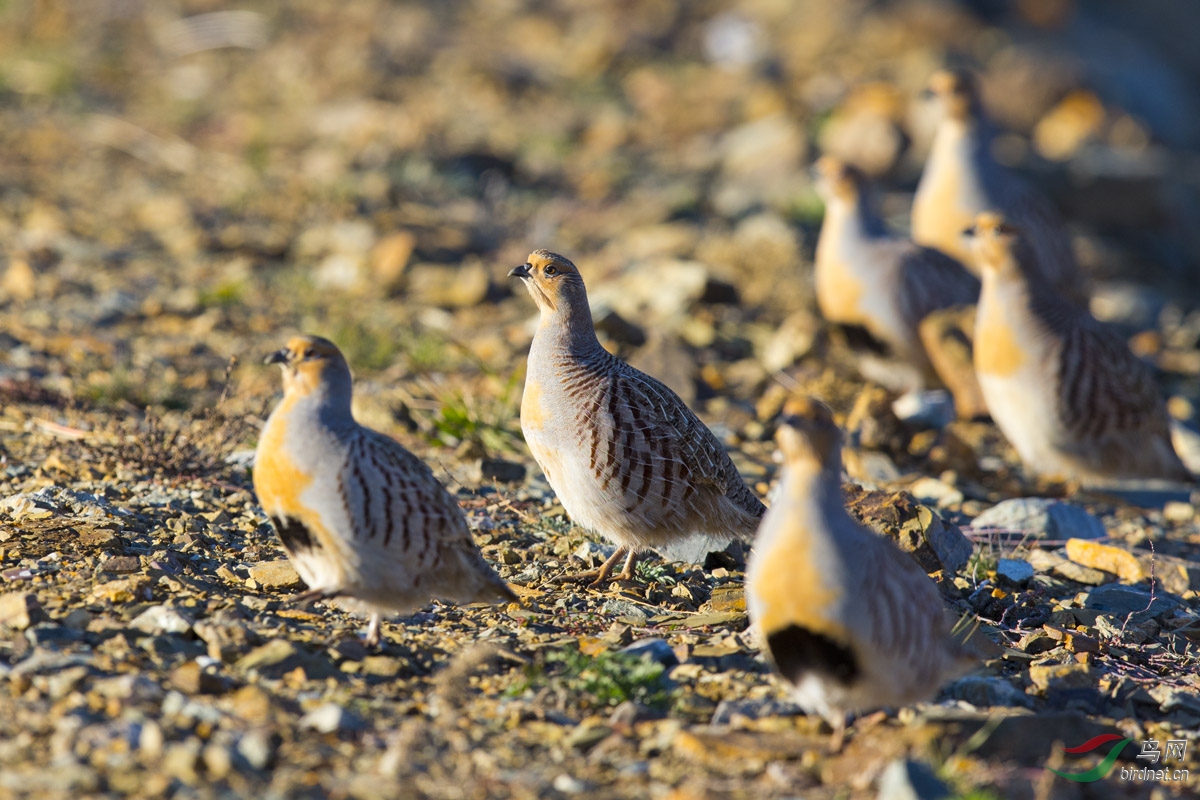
{"x":1102,"y":769}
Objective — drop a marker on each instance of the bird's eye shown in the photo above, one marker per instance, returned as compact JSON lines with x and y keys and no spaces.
{"x":550,"y":269}
{"x":307,"y":354}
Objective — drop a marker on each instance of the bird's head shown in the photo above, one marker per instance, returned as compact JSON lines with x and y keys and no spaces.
{"x":957,"y":91}
{"x":996,"y":245}
{"x":553,"y":282}
{"x":808,"y":436}
{"x":310,"y":363}
{"x":837,"y":180}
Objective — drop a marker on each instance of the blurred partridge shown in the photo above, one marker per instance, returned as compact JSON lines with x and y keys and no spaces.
{"x":361,"y":518}
{"x":869,"y":278}
{"x":1065,"y":390}
{"x":962,"y":179}
{"x":850,"y":621}
{"x":625,"y":455}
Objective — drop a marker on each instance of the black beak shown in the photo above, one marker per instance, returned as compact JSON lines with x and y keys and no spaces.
{"x":278,"y":357}
{"x":519,"y":272}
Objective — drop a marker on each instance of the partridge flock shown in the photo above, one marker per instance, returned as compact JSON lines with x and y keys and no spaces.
{"x":849,"y":621}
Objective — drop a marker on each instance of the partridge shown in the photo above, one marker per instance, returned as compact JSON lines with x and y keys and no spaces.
{"x":626,"y":457}
{"x":962,"y":179}
{"x":848,"y":620}
{"x":361,"y":518}
{"x":867,"y":277}
{"x":1064,"y":389}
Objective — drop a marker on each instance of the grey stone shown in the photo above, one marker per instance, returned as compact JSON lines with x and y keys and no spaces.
{"x":1014,"y":570}
{"x":933,"y":408}
{"x":161,"y":619}
{"x":617,"y":328}
{"x":983,"y":691}
{"x":257,"y":748}
{"x":626,"y":610}
{"x":654,"y":649}
{"x":19,"y":610}
{"x":1121,"y":600}
{"x":502,"y":470}
{"x":329,"y":718}
{"x":904,"y":779}
{"x":729,"y":710}
{"x":1041,"y":518}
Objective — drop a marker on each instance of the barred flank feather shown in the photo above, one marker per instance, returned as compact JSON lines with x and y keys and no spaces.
{"x":850,"y":621}
{"x":626,"y":457}
{"x":359,"y":516}
{"x":1065,"y":390}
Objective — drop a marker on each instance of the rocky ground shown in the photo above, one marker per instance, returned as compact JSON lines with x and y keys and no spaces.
{"x":180,"y":193}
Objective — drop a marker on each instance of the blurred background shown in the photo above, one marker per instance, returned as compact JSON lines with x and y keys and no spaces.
{"x":181,"y":182}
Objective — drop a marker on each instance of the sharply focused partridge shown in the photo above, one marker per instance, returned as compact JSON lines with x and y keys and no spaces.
{"x":850,"y":621}
{"x":962,"y":179}
{"x":624,"y":454}
{"x":869,"y":278}
{"x":361,"y":518}
{"x":1066,"y":391}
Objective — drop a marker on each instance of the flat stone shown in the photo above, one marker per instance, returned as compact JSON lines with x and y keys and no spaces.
{"x":279,"y":574}
{"x":1060,"y":676}
{"x":655,"y":649}
{"x":121,"y":565}
{"x":1081,"y":574}
{"x":905,"y":779}
{"x":162,"y":619}
{"x":1120,"y":600}
{"x":125,"y":590}
{"x":1040,"y":518}
{"x":1106,"y":557}
{"x":933,"y":408}
{"x":1016,"y":571}
{"x":19,"y":610}
{"x":502,"y":470}
{"x":270,"y":654}
{"x":983,"y":691}
{"x":917,"y":529}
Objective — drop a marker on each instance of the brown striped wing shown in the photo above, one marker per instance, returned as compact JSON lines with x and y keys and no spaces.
{"x":900,"y":617}
{"x":1105,"y":388}
{"x":651,"y":447}
{"x":931,"y":280}
{"x":394,"y":501}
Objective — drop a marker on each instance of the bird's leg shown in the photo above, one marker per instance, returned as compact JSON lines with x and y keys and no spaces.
{"x":315,"y":596}
{"x":626,"y":574}
{"x":372,"y":638}
{"x":838,"y":738}
{"x":605,"y":568}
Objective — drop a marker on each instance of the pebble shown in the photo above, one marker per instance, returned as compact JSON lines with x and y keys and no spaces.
{"x":1080,"y":574}
{"x":933,"y":408}
{"x":279,"y":574}
{"x":161,"y":619}
{"x":1014,"y":570}
{"x":1107,"y":558}
{"x":1120,"y":600}
{"x":1041,"y":518}
{"x":655,"y":649}
{"x":125,"y":590}
{"x":1060,"y":676}
{"x":19,"y":610}
{"x":257,"y":747}
{"x":501,"y":470}
{"x":984,"y":691}
{"x":330,"y":717}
